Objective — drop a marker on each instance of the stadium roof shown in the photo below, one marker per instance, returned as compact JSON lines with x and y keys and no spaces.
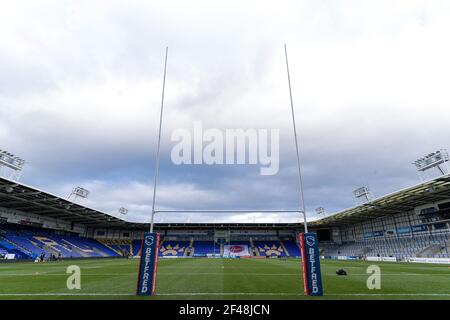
{"x":18,"y":196}
{"x":14,"y":195}
{"x":434,"y":190}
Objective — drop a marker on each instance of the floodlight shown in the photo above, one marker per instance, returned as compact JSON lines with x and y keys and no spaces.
{"x":320,"y":210}
{"x":13,"y":163}
{"x":432,"y":160}
{"x":362,"y":192}
{"x":79,"y":192}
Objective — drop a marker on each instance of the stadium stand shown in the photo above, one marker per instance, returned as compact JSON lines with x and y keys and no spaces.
{"x":7,"y":247}
{"x":203,"y":248}
{"x":270,"y":248}
{"x":425,"y":246}
{"x":292,"y":248}
{"x":246,"y":243}
{"x":410,"y":223}
{"x":136,"y":247}
{"x":120,"y":247}
{"x":30,"y":243}
{"x":173,"y":248}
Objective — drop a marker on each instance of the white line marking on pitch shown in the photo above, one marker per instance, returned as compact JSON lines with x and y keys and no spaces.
{"x":209,"y":273}
{"x":297,"y":294}
{"x":64,"y":294}
{"x":225,"y":294}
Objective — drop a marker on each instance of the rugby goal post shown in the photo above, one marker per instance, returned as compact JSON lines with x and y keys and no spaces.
{"x":149,"y":253}
{"x":299,"y":171}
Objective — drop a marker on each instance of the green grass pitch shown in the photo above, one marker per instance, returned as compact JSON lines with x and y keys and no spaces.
{"x":202,"y":278}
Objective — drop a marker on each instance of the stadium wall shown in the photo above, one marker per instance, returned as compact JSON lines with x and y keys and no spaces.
{"x":23,"y":218}
{"x":394,"y":225}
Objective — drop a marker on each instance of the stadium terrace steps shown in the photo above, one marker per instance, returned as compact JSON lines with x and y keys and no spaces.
{"x":253,"y":250}
{"x":7,"y":247}
{"x":3,"y":251}
{"x":54,"y":244}
{"x":445,"y":250}
{"x":7,"y":244}
{"x":122,"y":246}
{"x":25,"y":247}
{"x":78,"y":250}
{"x":173,"y":248}
{"x":190,"y":251}
{"x":137,"y":247}
{"x":284,"y":248}
{"x":31,"y":244}
{"x":256,"y":248}
{"x":430,"y":245}
{"x":429,"y":251}
{"x":107,"y":243}
{"x":101,"y":253}
{"x":291,"y":248}
{"x":366,"y":250}
{"x":203,"y":248}
{"x":99,"y":248}
{"x":270,"y":248}
{"x":51,"y":250}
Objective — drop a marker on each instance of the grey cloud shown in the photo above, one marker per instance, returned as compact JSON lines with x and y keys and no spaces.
{"x":80,"y":85}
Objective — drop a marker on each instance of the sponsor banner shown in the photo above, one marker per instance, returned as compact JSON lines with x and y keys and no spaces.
{"x":389,"y":259}
{"x":403,"y":230}
{"x":312,"y":277}
{"x":429,"y":260}
{"x":345,"y":257}
{"x":419,"y":228}
{"x":148,"y":265}
{"x":10,"y":256}
{"x":235,"y":250}
{"x":378,"y":233}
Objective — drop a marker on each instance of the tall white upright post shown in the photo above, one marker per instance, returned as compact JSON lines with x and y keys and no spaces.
{"x":155,"y":182}
{"x":300,"y":180}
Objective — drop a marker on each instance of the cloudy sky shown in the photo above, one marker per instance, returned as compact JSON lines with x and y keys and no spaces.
{"x":80,"y":87}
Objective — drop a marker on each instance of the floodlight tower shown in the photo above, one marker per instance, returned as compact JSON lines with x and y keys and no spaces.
{"x":78,"y":192}
{"x":362,"y":195}
{"x":12,"y":164}
{"x":321,"y":211}
{"x":438,"y":160}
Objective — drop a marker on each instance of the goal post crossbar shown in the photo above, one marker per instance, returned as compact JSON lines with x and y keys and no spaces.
{"x":302,"y":208}
{"x":227,"y":211}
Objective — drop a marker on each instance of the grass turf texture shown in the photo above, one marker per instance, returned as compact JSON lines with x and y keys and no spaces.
{"x":222,"y":279}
